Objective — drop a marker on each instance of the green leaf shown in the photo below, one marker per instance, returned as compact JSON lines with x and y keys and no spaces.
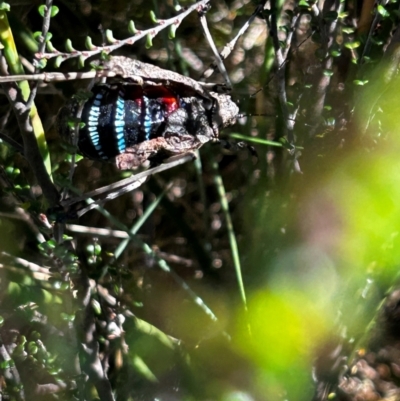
{"x":172,"y":31}
{"x":131,"y":27}
{"x":328,"y":73}
{"x":13,"y":289}
{"x":6,"y":364}
{"x":32,"y":348}
{"x":304,"y":3}
{"x":41,"y":63}
{"x":97,"y":249}
{"x":81,"y":61}
{"x":54,"y":11}
{"x":153,"y":17}
{"x":57,"y":61}
{"x":352,"y":45}
{"x":51,"y":243}
{"x":330,"y":122}
{"x":382,"y":11}
{"x":68,"y":46}
{"x":149,"y":41}
{"x":50,"y":48}
{"x":67,"y":317}
{"x":109,"y":36}
{"x":377,"y":41}
{"x":348,"y":30}
{"x":42,"y":10}
{"x":4,"y":6}
{"x":89,"y":44}
{"x":360,"y":82}
{"x":96,"y":306}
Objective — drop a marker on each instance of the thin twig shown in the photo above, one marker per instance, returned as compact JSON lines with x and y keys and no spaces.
{"x":281,"y":76}
{"x":58,"y":76}
{"x":130,"y":180}
{"x":328,"y":35}
{"x":32,"y":267}
{"x":19,"y":148}
{"x":231,"y":233}
{"x":42,"y":47}
{"x":218,"y":59}
{"x":152,"y":32}
{"x":226,"y":51}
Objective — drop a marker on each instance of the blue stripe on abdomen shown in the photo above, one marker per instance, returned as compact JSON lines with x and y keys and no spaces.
{"x":119,"y":123}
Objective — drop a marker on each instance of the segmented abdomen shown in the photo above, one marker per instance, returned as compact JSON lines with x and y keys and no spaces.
{"x":119,"y":116}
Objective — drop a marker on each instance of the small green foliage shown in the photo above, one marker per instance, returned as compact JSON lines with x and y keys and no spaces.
{"x":377,"y":41}
{"x":13,"y":289}
{"x":328,"y":73}
{"x":109,"y":36}
{"x":96,"y":306}
{"x":149,"y":41}
{"x":131,"y":27}
{"x":6,"y":364}
{"x":50,"y":47}
{"x":382,"y":11}
{"x":330,"y":122}
{"x":67,"y":317}
{"x":304,"y":3}
{"x":41,"y":63}
{"x":58,"y":60}
{"x":89,"y":44}
{"x":68,"y":46}
{"x":81,"y":61}
{"x":54,"y":371}
{"x":37,"y":34}
{"x":54,"y":11}
{"x":352,"y":45}
{"x":32,"y":348}
{"x":360,"y":82}
{"x":42,"y":10}
{"x":4,"y":6}
{"x":153,"y":17}
{"x":172,"y":31}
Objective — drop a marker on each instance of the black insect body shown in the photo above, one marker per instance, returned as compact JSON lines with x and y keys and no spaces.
{"x":147,"y":114}
{"x":120,"y":116}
